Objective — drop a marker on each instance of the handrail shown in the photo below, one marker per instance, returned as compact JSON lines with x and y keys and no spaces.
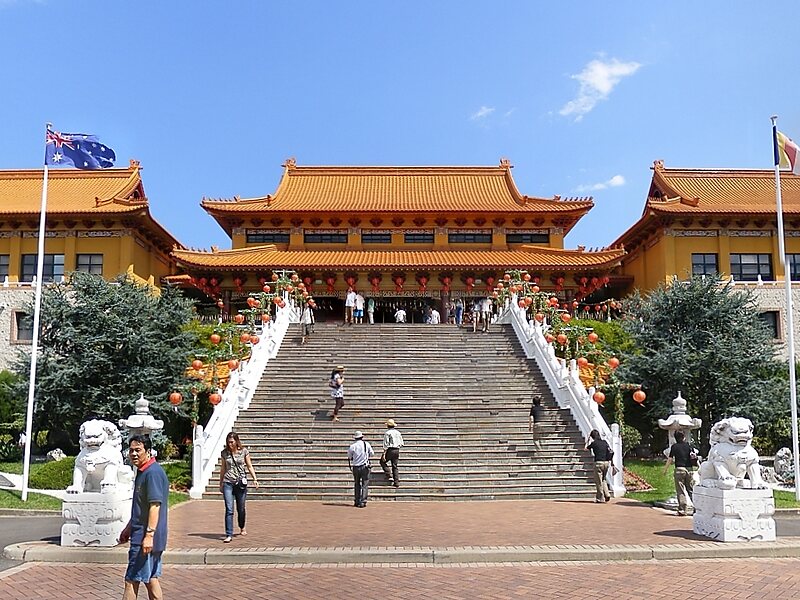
{"x":209,"y":441}
{"x":564,"y":383}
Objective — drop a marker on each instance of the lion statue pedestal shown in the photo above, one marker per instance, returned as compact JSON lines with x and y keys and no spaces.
{"x":98,"y":503}
{"x":728,"y":507}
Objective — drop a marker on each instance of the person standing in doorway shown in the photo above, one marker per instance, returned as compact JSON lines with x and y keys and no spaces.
{"x":349,"y":305}
{"x":602,"y":461}
{"x":459,"y":310}
{"x":535,"y":421}
{"x":486,"y":313}
{"x":371,"y":310}
{"x":400,"y":315}
{"x":358,"y":457}
{"x":147,"y":528}
{"x":392,"y":442}
{"x":236,"y":465}
{"x":476,"y":313}
{"x":684,"y":456}
{"x":358,"y":310}
{"x":336,"y":384}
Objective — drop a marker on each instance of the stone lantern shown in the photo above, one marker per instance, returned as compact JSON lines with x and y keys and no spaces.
{"x":141,"y":422}
{"x":679,"y":420}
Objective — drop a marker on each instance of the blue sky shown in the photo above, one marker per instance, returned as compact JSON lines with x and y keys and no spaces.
{"x":581,"y":97}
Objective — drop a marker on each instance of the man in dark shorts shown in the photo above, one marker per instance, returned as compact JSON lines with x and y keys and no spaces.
{"x":147,"y":529}
{"x":535,"y":421}
{"x":684,"y":456}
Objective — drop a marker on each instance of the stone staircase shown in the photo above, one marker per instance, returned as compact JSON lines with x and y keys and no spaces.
{"x":460,"y":399}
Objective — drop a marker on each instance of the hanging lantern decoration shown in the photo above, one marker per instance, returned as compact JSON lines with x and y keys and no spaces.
{"x":526,"y":277}
{"x":233,"y":364}
{"x":522,"y":304}
{"x":294,"y":278}
{"x":566,"y":317}
{"x":549,"y":338}
{"x":309,"y":281}
{"x":574,"y":305}
{"x":175,"y":398}
{"x":254,"y":339}
{"x":539,"y":317}
{"x":399,"y":280}
{"x":220,"y":304}
{"x":214,"y":398}
{"x":265,"y":317}
{"x":613,"y":362}
{"x":490,"y":283}
{"x":470,"y":283}
{"x":215,"y":339}
{"x":506,"y":277}
{"x":537,"y":279}
{"x":583,"y":281}
{"x":593,"y":337}
{"x":376,"y":282}
{"x":599,"y":397}
{"x":535,"y":289}
{"x":639,"y":396}
{"x":350,"y":280}
{"x":582,"y":361}
{"x":329,"y":281}
{"x":244,"y":338}
{"x":197,"y":364}
{"x":266,"y":289}
{"x":561,"y":339}
{"x":528,"y":301}
{"x":446,"y":281}
{"x":238,"y":319}
{"x":423,"y":283}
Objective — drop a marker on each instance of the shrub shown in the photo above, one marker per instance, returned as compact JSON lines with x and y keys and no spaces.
{"x":630,"y":438}
{"x":9,"y":450}
{"x":179,"y":474}
{"x":56,"y":475}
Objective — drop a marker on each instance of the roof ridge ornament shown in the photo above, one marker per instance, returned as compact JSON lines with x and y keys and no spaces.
{"x":505,"y":163}
{"x":290,"y":163}
{"x":135,"y":164}
{"x":658,"y":165}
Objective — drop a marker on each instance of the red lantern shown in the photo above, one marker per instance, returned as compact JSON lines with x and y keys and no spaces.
{"x":613,"y":362}
{"x":574,"y":304}
{"x":535,"y":289}
{"x":446,"y":281}
{"x":262,"y":280}
{"x":639,"y":396}
{"x":559,"y":281}
{"x":197,"y":364}
{"x":265,"y":317}
{"x":549,"y":338}
{"x":220,"y":304}
{"x":294,"y":278}
{"x":593,"y":337}
{"x":233,"y":364}
{"x":596,"y":308}
{"x":470,"y":282}
{"x":239,"y":319}
{"x":254,"y":339}
{"x":423,"y":283}
{"x":583,"y":280}
{"x":214,"y":398}
{"x":599,"y":397}
{"x":500,"y":286}
{"x":539,"y":317}
{"x":537,"y":279}
{"x":266,"y":289}
{"x":350,"y":280}
{"x":203,"y":281}
{"x":244,"y":338}
{"x":237,"y":281}
{"x":582,"y":361}
{"x":398,"y":283}
{"x":290,"y":288}
{"x":251,"y":302}
{"x":489,"y":283}
{"x":175,"y":398}
{"x":526,"y":277}
{"x":561,"y":339}
{"x":329,"y":282}
{"x":528,"y":300}
{"x":595,"y":281}
{"x":375,"y":281}
{"x":566,"y":317}
{"x":521,"y":304}
{"x":506,"y":277}
{"x":215,"y":339}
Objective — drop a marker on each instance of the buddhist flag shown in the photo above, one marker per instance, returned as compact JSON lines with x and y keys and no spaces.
{"x":787,"y":153}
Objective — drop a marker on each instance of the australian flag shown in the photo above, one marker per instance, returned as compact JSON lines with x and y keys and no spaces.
{"x":78,"y":150}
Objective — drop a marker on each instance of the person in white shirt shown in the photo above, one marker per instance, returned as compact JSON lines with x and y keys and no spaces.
{"x":358,"y":311}
{"x":358,"y":455}
{"x":392,"y":442}
{"x":307,"y":320}
{"x":435,"y":317}
{"x":486,"y":313}
{"x":400,"y":315}
{"x":349,"y":305}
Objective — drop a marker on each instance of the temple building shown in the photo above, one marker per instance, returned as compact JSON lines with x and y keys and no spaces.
{"x":97,"y":222}
{"x":704,"y":221}
{"x":406,"y":236}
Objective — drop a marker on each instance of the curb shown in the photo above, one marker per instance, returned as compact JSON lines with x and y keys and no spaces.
{"x":50,"y":553}
{"x":26,"y":512}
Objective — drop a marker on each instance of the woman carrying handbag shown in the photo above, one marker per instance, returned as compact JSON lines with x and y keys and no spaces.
{"x":233,"y":482}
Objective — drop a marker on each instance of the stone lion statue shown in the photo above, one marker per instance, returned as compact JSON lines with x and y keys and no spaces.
{"x":731,"y":456}
{"x":99,"y":465}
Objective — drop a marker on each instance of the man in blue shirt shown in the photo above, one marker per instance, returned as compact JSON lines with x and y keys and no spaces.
{"x":147,"y":529}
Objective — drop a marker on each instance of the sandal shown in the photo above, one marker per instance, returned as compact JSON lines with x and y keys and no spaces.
{"x":227,"y":539}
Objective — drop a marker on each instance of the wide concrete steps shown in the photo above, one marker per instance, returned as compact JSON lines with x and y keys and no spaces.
{"x":460,"y":399}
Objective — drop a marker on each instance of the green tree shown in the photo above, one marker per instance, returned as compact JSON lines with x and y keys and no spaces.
{"x":101,"y":344}
{"x":704,"y":338}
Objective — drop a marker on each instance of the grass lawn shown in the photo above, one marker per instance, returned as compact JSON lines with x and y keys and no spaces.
{"x":13,"y":499}
{"x":664,"y":486}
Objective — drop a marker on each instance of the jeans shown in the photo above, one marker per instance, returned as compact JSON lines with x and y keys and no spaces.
{"x":231,"y":492}
{"x":459,"y":315}
{"x":360,"y":485}
{"x":392,"y":455}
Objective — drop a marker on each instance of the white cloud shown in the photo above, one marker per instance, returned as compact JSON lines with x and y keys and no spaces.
{"x":598,"y":79}
{"x":615,"y":181}
{"x":482,"y":112}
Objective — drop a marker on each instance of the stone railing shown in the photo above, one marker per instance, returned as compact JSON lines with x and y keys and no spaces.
{"x":209,"y":441}
{"x":564,"y":383}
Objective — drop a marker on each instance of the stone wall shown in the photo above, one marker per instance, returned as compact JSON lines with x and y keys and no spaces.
{"x":771,"y":297}
{"x":13,"y":299}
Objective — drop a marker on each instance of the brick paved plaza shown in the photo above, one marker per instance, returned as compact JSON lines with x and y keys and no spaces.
{"x":730,"y":579}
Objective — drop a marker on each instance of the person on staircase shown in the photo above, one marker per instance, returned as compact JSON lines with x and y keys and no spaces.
{"x":458,"y":308}
{"x":358,"y":457}
{"x":476,"y":313}
{"x":400,"y":315}
{"x":486,"y":313}
{"x":392,"y":442}
{"x":307,"y":319}
{"x":535,"y":421}
{"x":358,"y":310}
{"x":349,"y":305}
{"x":336,"y":384}
{"x":371,"y":310}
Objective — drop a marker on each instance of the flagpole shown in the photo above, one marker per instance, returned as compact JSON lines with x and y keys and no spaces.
{"x":37,"y":306}
{"x":787,"y":279}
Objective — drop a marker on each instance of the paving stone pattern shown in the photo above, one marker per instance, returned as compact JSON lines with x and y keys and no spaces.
{"x":461,"y":400}
{"x":729,"y":579}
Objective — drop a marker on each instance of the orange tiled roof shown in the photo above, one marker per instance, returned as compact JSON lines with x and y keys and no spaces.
{"x":266,"y":257}
{"x":732,"y":191}
{"x":392,"y":189}
{"x":71,"y":191}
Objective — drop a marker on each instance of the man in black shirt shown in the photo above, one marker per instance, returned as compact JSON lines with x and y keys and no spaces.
{"x":684,"y":456}
{"x":602,"y":461}
{"x":535,"y":421}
